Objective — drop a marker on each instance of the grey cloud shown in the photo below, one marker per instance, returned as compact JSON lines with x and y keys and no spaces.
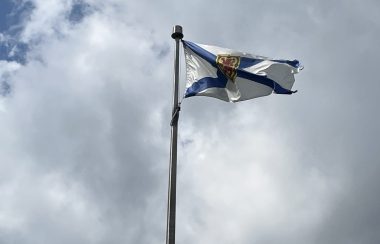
{"x":85,"y":135}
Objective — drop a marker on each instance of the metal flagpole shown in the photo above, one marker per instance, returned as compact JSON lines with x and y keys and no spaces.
{"x":170,"y":228}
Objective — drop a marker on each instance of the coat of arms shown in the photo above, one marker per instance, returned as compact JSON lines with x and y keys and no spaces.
{"x":228,"y":65}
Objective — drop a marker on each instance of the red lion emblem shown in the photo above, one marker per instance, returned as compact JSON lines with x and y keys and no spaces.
{"x":228,"y":65}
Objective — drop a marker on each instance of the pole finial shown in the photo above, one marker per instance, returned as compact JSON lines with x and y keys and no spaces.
{"x":177,"y":32}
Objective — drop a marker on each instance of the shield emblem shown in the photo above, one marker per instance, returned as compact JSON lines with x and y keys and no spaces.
{"x":228,"y":65}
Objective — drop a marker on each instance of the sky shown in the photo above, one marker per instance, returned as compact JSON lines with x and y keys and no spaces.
{"x":85,"y":107}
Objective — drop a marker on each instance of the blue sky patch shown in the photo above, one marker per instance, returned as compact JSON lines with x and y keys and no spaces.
{"x":12,"y":14}
{"x":78,"y":11}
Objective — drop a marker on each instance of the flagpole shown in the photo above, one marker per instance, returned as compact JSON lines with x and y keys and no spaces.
{"x":171,"y":211}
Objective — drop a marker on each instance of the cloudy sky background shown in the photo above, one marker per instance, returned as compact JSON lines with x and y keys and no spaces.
{"x":85,"y":103}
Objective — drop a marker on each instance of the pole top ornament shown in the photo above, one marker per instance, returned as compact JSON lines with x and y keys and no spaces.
{"x":177,"y":32}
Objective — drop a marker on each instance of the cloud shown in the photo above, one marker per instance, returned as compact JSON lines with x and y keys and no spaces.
{"x":85,"y":127}
{"x":79,"y":122}
{"x":7,"y":69}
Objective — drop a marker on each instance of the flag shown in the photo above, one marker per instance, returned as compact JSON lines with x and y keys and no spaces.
{"x":234,"y":76}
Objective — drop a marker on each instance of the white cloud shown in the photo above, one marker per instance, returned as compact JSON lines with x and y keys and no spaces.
{"x":47,"y":19}
{"x":249,"y":182}
{"x":8,"y":67}
{"x":77,"y":123}
{"x":84,"y":139}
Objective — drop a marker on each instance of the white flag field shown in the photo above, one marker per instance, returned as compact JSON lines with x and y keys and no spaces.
{"x":235,"y":76}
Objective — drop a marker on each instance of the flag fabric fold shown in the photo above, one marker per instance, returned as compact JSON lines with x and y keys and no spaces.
{"x":234,"y":76}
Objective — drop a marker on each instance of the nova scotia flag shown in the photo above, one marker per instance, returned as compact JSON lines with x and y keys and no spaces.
{"x":234,"y":76}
